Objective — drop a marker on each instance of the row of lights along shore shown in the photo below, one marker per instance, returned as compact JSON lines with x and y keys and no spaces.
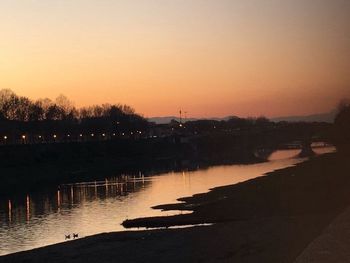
{"x":80,"y":135}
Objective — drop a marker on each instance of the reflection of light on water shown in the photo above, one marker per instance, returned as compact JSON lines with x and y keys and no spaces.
{"x":100,"y":206}
{"x":322,"y":150}
{"x":71,"y":195}
{"x":58,"y":201}
{"x":58,"y":198}
{"x":186,"y":178}
{"x":28,"y":208}
{"x":106,"y":183}
{"x":10,"y":211}
{"x":292,"y":153}
{"x":170,"y":227}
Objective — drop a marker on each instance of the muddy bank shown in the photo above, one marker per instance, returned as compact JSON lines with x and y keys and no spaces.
{"x":317,"y":186}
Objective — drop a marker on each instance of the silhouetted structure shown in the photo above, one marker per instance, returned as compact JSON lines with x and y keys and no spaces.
{"x":306,"y":150}
{"x":341,"y":134}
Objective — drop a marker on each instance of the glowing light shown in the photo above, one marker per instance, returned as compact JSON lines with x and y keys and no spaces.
{"x":92,"y":135}
{"x":103,"y":134}
{"x":55,"y":136}
{"x":80,"y":135}
{"x":23,"y":137}
{"x":123,"y":133}
{"x":5,"y":137}
{"x":68,"y":135}
{"x":113,"y":134}
{"x":39,"y":136}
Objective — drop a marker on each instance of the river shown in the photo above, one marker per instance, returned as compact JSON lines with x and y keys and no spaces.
{"x":35,"y":220}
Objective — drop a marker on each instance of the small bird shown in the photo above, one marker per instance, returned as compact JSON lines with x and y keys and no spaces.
{"x":75,"y":235}
{"x":67,"y":237}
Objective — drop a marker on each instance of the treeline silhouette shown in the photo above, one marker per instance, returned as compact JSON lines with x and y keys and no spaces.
{"x":24,"y":120}
{"x":232,"y":124}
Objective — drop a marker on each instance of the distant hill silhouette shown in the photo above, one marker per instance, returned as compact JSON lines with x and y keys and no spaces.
{"x":320,"y":117}
{"x":168,"y":119}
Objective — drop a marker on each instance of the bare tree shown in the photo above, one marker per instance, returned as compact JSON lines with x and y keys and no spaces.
{"x":64,"y":103}
{"x":55,"y":112}
{"x":128,"y":110}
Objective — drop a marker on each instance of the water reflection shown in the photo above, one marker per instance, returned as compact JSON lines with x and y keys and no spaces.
{"x":10,"y":211}
{"x":28,"y":208}
{"x":88,"y":208}
{"x":80,"y":193}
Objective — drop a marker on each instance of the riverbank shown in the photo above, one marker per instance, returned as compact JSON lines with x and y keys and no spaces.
{"x":268,"y":219}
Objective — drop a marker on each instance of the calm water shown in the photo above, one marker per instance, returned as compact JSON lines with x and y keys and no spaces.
{"x":37,"y":220}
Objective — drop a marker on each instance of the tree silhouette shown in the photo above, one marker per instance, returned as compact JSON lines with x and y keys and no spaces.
{"x":64,"y":103}
{"x":342,"y":124}
{"x":20,"y":115}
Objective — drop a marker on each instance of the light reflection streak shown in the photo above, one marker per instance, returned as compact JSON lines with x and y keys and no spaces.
{"x":58,"y":201}
{"x":106,"y":184}
{"x":27,"y":208}
{"x":71,"y":194}
{"x":10,"y":211}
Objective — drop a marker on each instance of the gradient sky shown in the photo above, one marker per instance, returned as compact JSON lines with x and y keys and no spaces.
{"x":208,"y":57}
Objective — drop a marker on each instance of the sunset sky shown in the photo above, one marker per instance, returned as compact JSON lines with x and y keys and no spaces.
{"x":207,"y":57}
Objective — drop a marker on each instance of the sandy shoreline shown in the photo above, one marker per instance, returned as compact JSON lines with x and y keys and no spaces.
{"x":267,"y":219}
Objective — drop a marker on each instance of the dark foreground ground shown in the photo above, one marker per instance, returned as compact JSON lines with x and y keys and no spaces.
{"x":268,"y":219}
